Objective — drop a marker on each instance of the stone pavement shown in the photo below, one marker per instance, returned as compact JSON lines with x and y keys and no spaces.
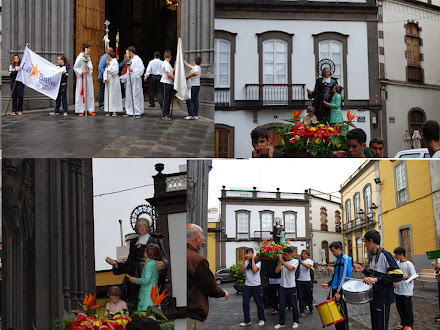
{"x":227,"y":314}
{"x":36,"y":134}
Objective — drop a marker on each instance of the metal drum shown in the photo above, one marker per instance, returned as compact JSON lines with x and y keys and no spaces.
{"x":357,"y":292}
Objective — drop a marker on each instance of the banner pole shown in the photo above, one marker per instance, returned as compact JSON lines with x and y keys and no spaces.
{"x":12,"y":92}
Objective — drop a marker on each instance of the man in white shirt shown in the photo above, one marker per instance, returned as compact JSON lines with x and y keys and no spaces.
{"x":287,"y":266}
{"x":154,"y":72}
{"x":167,"y":81}
{"x":252,"y":288}
{"x":403,"y":291}
{"x":304,"y":283}
{"x":194,"y":78}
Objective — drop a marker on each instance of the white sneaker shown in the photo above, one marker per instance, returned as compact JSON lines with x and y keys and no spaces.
{"x":138,"y":116}
{"x":107,"y":114}
{"x":242,"y":324}
{"x":189,"y":117}
{"x":65,"y":114}
{"x":279,"y":326}
{"x":261,"y":323}
{"x":295,"y":325}
{"x":196,"y":117}
{"x":115,"y":114}
{"x":54,"y":113}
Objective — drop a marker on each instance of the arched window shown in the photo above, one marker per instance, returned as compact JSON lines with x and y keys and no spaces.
{"x":413,"y":56}
{"x":222,"y":56}
{"x":266,"y":218}
{"x":242,"y":217}
{"x":324,"y":246}
{"x":356,"y":205}
{"x":348,"y":212}
{"x":367,"y":198}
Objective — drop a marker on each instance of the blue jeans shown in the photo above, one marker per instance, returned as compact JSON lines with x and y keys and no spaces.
{"x":167,"y":96}
{"x":101,"y":92}
{"x":193,"y":103}
{"x":288,"y":294}
{"x":248,"y":292}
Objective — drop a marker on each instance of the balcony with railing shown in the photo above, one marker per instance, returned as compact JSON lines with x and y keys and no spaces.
{"x":358,"y":223}
{"x":222,"y":96}
{"x":275,"y":94}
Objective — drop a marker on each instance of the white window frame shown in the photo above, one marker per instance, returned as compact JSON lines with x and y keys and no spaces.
{"x":217,"y":62}
{"x":401,"y":183}
{"x":242,"y":233}
{"x":274,"y":63}
{"x":286,"y":222}
{"x":338,"y":75}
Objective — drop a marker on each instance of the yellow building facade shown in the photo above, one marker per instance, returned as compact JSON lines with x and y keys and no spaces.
{"x":359,"y":210}
{"x":406,"y":208}
{"x":211,"y":247}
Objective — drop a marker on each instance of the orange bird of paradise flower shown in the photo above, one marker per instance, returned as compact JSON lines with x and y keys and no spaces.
{"x":296,"y":114}
{"x":350,"y":116}
{"x":156,"y":296}
{"x":88,"y":302}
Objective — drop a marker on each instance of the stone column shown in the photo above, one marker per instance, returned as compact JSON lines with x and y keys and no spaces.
{"x":48,"y":27}
{"x":197,"y":194}
{"x":197,"y":33}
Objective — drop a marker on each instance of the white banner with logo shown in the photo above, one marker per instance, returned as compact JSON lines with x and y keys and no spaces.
{"x":39,"y":74}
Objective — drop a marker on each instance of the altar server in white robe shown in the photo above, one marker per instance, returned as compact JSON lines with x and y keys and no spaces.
{"x":112,"y":92}
{"x":136,"y":69}
{"x":84,"y":97}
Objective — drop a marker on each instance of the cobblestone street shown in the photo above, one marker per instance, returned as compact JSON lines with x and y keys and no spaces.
{"x":227,"y":314}
{"x":37,"y":134}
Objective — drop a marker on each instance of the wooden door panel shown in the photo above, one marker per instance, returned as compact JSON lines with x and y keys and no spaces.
{"x":90,"y":29}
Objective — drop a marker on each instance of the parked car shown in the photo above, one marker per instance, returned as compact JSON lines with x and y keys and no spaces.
{"x":222,"y":276}
{"x":413,"y":153}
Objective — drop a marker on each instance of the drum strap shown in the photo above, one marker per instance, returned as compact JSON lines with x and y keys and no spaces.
{"x":376,"y":258}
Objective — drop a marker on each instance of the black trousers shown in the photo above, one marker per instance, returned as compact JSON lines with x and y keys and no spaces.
{"x":404,"y":307}
{"x":342,"y":306}
{"x":380,"y":316}
{"x":17,"y":96}
{"x":101,"y":92}
{"x":273,"y":295}
{"x":305,"y":295}
{"x":154,"y":86}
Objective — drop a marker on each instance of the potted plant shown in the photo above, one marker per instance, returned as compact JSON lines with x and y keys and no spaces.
{"x":237,"y":276}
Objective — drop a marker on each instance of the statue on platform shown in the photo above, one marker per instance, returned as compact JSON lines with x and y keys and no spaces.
{"x":135,"y":262}
{"x":323,"y":89}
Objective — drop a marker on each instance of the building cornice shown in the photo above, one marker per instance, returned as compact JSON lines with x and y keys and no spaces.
{"x":361,"y":170}
{"x":415,"y":3}
{"x":408,"y":84}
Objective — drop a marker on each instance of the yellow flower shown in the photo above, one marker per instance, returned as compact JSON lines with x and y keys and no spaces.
{"x":321,"y":125}
{"x":316,"y":135}
{"x":119,"y":321}
{"x":302,"y":127}
{"x":313,"y":129}
{"x":331,"y":129}
{"x":338,"y":145}
{"x":318,"y":141}
{"x":297,"y":137}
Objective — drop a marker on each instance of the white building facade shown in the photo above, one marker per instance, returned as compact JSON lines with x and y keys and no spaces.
{"x":409,"y":51}
{"x":248,"y":217}
{"x":266,"y":57}
{"x":325,"y":223}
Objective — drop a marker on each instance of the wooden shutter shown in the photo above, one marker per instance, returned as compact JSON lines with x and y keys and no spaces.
{"x":90,"y":29}
{"x":406,"y":242}
{"x":274,"y":138}
{"x":240,"y":254}
{"x":222,"y":143}
{"x":413,"y":53}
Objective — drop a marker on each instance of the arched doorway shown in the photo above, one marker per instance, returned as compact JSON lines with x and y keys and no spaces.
{"x":324,"y":246}
{"x":350,"y":248}
{"x":360,"y":253}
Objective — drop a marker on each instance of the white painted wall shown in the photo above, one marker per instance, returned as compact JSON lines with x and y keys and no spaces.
{"x":231,"y":249}
{"x":242,"y":121}
{"x":319,"y":237}
{"x":230,"y":222}
{"x":303,"y":57}
{"x":177,"y":222}
{"x":395,"y":15}
{"x":400,"y":100}
{"x":315,"y":214}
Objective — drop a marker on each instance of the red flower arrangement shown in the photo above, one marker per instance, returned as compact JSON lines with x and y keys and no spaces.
{"x":319,"y":140}
{"x":270,"y":251}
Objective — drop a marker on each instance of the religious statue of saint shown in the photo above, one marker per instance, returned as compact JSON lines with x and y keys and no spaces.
{"x":323,"y":92}
{"x":136,"y":261}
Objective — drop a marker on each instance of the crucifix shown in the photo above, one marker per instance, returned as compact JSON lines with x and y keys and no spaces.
{"x":106,"y":39}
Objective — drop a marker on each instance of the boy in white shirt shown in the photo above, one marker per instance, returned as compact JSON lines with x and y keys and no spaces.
{"x":403,"y":291}
{"x":167,"y":81}
{"x":287,"y":267}
{"x":304,"y":283}
{"x":252,"y":288}
{"x":194,"y":77}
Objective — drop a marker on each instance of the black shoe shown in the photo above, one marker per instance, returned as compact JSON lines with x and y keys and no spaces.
{"x":152,"y":105}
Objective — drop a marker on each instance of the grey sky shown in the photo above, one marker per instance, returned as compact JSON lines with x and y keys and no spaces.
{"x":118,"y":174}
{"x":290,"y":175}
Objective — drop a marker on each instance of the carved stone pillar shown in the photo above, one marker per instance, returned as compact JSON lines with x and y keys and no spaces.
{"x":197,"y":33}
